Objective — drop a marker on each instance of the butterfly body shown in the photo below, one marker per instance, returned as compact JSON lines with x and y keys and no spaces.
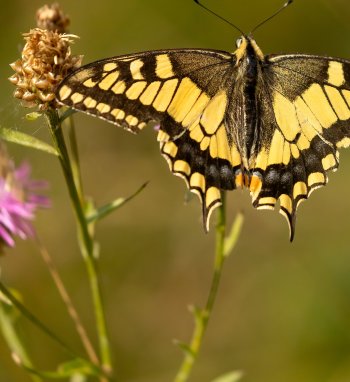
{"x":273,"y":123}
{"x":243,"y":123}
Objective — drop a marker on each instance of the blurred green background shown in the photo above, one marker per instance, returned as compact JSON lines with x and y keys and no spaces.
{"x":283,"y":312}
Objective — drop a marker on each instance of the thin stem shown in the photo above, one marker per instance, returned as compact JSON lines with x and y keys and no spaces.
{"x":14,"y":340}
{"x":60,"y":145}
{"x":202,"y":316}
{"x":75,"y":158}
{"x":68,"y":302}
{"x":85,"y":239}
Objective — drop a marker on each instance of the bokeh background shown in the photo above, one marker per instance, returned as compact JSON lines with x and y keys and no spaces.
{"x":283,"y":311}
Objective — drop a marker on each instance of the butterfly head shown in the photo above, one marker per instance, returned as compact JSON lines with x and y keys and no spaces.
{"x":247,"y":47}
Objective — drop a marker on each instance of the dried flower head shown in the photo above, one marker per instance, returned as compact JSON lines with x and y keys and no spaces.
{"x":18,"y":200}
{"x":52,"y":18}
{"x":46,"y":60}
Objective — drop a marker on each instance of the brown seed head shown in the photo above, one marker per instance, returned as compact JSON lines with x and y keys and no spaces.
{"x":52,"y":18}
{"x":46,"y":60}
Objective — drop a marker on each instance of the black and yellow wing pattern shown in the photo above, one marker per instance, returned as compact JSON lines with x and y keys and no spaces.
{"x":272,"y":123}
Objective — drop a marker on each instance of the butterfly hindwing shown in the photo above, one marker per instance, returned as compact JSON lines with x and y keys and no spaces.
{"x":186,"y":92}
{"x":308,"y":114}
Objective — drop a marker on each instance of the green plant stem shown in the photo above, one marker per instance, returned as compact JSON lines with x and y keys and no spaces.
{"x":202,"y":316}
{"x":75,"y":158}
{"x":14,"y":341}
{"x":85,"y":239}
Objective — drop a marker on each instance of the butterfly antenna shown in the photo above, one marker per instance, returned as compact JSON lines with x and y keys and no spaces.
{"x":220,"y":17}
{"x":289,"y":2}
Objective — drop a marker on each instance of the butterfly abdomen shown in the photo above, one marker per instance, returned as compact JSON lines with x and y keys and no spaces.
{"x":250,"y":101}
{"x":248,"y":116}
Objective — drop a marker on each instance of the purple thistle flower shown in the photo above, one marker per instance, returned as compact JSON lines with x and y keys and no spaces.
{"x":18,"y":200}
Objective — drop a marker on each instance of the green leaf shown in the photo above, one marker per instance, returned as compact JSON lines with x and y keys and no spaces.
{"x":233,"y":376}
{"x":16,"y":303}
{"x":9,"y":316}
{"x":33,"y":116}
{"x":232,"y":238}
{"x":184,"y":347}
{"x":24,"y":139}
{"x":78,"y":366}
{"x":198,"y":313}
{"x":74,"y":369}
{"x":114,"y":205}
{"x":7,"y":305}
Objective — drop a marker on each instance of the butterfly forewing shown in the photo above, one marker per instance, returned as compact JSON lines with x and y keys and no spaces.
{"x":186,"y":92}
